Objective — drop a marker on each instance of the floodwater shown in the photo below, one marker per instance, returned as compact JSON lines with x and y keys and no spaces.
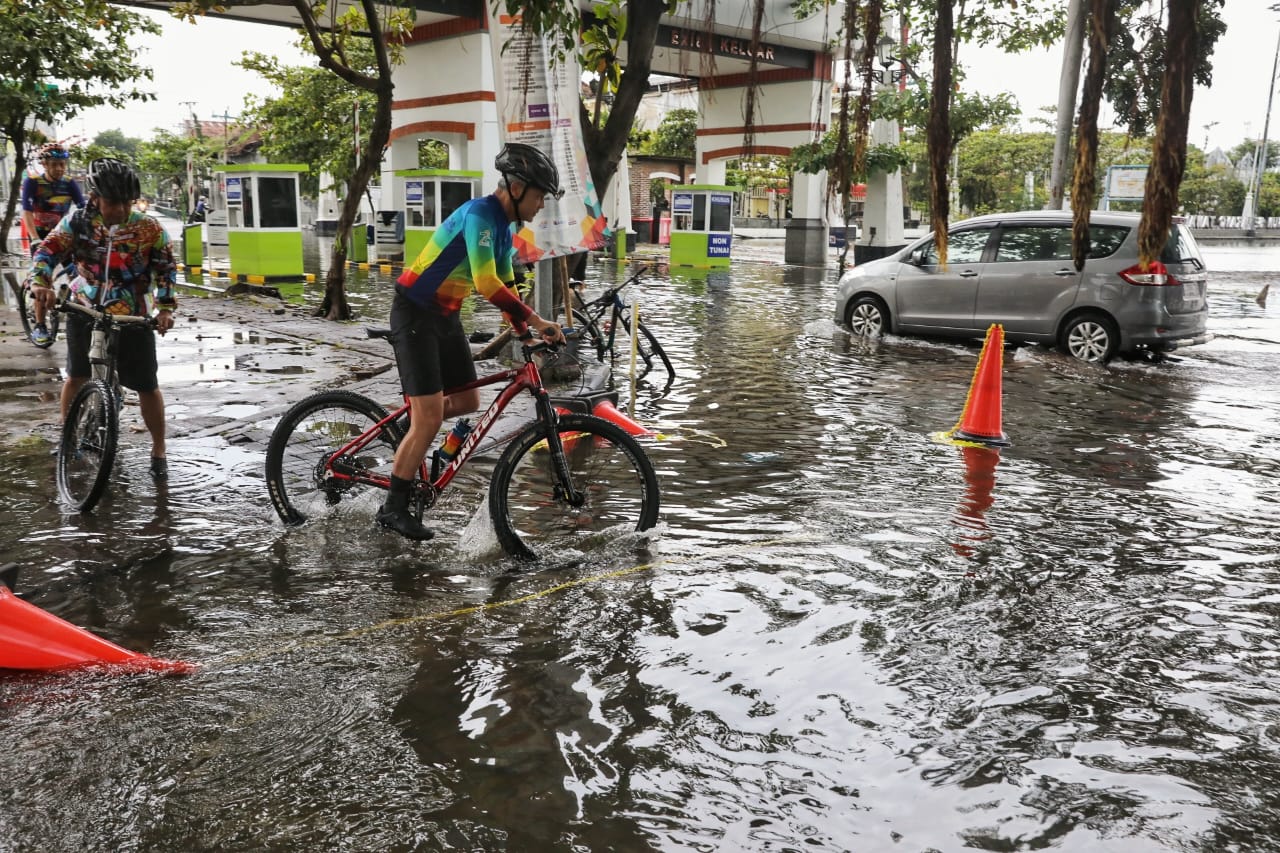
{"x":846,"y":636}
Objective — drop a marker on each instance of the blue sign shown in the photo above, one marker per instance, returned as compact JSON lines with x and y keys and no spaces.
{"x":681,"y":202}
{"x":233,"y":189}
{"x":718,"y":245}
{"x":413,"y":191}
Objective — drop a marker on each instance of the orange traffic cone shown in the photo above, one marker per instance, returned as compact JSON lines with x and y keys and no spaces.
{"x":980,"y":422}
{"x":31,"y":638}
{"x":607,"y":410}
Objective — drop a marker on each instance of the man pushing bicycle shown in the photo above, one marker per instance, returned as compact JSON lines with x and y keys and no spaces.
{"x":472,"y":248}
{"x":131,"y":253}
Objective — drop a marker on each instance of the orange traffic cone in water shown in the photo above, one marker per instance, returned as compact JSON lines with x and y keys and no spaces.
{"x":980,"y":421}
{"x":31,"y":638}
{"x":607,"y":410}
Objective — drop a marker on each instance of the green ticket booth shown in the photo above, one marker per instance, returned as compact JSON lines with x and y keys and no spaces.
{"x":264,"y":229}
{"x":701,"y":225}
{"x":429,"y":196}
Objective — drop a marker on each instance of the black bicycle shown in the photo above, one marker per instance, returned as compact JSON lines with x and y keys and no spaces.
{"x":91,"y":431}
{"x":590,"y":323}
{"x":27,"y":308}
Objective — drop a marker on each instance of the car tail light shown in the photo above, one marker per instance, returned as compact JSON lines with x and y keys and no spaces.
{"x":1156,"y":275}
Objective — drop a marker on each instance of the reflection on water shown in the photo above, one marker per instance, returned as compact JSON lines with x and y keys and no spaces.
{"x":849,"y":637}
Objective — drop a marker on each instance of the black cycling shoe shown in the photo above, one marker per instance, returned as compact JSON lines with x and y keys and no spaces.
{"x":159,"y":468}
{"x":402,"y":521}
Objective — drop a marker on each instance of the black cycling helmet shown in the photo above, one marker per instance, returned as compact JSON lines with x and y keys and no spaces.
{"x":529,"y":166}
{"x":113,"y":180}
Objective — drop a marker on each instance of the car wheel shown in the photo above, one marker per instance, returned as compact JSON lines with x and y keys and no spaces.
{"x":868,"y":317}
{"x":1090,"y":337}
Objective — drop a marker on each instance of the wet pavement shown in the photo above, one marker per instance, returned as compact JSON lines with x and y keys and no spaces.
{"x":844,"y":636}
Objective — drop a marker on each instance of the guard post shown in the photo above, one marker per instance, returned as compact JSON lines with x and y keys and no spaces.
{"x":429,"y":196}
{"x":701,"y":225}
{"x":264,"y":230}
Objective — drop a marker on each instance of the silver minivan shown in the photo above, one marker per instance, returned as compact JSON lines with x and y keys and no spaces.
{"x":1016,"y":269}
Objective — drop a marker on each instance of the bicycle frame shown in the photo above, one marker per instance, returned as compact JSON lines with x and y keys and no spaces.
{"x":519,"y":379}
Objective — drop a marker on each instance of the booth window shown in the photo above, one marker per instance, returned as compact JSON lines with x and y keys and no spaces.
{"x":453,"y":194}
{"x":279,"y":202}
{"x":429,"y":207}
{"x":721,"y":214}
{"x":246,"y":202}
{"x":699,"y":211}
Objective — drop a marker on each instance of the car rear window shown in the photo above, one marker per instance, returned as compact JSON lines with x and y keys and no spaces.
{"x":1106,"y":239}
{"x":1181,"y":247}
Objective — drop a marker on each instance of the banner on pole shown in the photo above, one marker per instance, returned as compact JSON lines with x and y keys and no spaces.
{"x":537,"y":102}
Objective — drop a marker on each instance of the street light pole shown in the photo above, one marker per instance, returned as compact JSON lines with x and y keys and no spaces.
{"x":1260,"y":161}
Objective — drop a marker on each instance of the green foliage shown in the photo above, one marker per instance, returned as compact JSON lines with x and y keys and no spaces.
{"x":601,"y":43}
{"x":771,"y":172}
{"x":676,"y":135}
{"x":60,"y":59}
{"x":432,"y":154}
{"x":1135,"y":62}
{"x":125,"y":147}
{"x":1212,"y":191}
{"x":312,"y":120}
{"x":162,"y":163}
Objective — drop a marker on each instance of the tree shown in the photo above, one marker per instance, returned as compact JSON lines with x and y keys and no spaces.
{"x":92,"y":65}
{"x":338,"y":40}
{"x":312,"y":120}
{"x":676,"y":135}
{"x":162,"y":161}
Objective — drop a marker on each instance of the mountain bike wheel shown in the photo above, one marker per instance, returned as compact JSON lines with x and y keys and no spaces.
{"x":528,"y":506}
{"x":306,"y":439}
{"x":87,"y":449}
{"x":647,"y":346}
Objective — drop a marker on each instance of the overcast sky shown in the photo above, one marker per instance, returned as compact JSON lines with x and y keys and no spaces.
{"x":194,"y":62}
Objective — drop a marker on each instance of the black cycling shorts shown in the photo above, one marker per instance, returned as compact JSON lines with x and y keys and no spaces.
{"x":135,"y":364}
{"x":432,"y":351}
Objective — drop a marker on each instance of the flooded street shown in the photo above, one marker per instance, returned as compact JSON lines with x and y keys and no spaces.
{"x":846,"y":635}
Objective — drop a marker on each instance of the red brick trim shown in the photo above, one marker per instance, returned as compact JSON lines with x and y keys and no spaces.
{"x":443,"y":100}
{"x":445,"y":29}
{"x":720,"y":153}
{"x":763,"y":128}
{"x":773,"y":75}
{"x":427,"y":127}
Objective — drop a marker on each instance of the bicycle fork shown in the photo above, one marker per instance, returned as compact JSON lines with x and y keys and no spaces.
{"x":564,"y":487}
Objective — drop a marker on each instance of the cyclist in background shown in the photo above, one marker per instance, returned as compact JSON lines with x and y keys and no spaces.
{"x":472,"y":248}
{"x":45,"y":200}
{"x":140,"y":268}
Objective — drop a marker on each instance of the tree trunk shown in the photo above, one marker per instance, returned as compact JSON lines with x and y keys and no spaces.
{"x":605,"y":145}
{"x":1101,"y":25}
{"x":19,"y":140}
{"x":939,"y":129}
{"x":1169,"y":158}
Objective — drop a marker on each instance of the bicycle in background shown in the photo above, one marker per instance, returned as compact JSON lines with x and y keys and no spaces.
{"x":564,"y":482}
{"x":27,"y":310}
{"x":590,"y":323}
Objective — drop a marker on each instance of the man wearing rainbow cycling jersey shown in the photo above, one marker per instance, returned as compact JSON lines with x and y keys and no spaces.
{"x":140,"y":267}
{"x":45,"y":200}
{"x":472,"y":248}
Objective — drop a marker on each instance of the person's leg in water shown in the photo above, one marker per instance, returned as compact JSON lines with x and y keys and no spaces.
{"x":426,"y":414}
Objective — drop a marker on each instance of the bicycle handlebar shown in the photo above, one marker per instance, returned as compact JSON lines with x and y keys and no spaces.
{"x":98,"y":314}
{"x":609,"y":294}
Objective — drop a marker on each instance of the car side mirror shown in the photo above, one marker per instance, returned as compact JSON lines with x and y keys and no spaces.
{"x":917,"y":258}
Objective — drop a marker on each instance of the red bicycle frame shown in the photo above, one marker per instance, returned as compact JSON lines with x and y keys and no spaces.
{"x":523,"y":378}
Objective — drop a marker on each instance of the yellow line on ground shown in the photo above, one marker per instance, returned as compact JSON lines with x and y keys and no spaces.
{"x":431,"y":617}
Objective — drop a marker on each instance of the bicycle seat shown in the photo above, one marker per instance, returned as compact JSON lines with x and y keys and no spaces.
{"x":385,"y":334}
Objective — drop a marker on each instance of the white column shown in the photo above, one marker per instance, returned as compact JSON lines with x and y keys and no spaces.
{"x":808,"y":196}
